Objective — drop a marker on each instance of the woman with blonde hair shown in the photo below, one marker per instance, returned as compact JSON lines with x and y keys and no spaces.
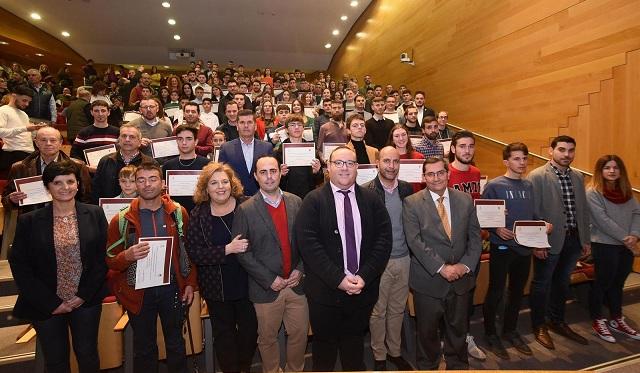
{"x":222,"y":281}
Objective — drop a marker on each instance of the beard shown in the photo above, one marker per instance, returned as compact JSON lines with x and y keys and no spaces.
{"x":463,"y":161}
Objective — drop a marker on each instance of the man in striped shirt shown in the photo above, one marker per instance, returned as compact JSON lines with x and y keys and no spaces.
{"x":98,"y":134}
{"x":429,"y":145}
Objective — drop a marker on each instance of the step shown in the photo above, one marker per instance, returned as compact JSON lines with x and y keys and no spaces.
{"x":12,"y":353}
{"x":7,"y":285}
{"x":6,"y":308}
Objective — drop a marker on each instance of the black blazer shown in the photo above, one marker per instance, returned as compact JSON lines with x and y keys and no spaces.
{"x":33,"y":261}
{"x":320,"y":245}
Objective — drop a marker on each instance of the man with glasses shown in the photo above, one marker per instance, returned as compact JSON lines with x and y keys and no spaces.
{"x":151,"y":126}
{"x":444,"y":132}
{"x":344,"y":237}
{"x":445,"y":249}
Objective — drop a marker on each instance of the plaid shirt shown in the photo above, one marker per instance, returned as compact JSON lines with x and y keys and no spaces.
{"x":430,"y":148}
{"x":568,"y":197}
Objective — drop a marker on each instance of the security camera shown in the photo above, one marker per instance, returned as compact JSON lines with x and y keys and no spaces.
{"x":404,"y":57}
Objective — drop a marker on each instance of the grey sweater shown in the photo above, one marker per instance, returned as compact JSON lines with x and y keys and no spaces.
{"x":612,"y":222}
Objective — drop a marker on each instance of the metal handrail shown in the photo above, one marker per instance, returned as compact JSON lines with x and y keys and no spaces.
{"x":535,"y":155}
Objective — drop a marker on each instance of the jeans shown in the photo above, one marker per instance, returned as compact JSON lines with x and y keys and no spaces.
{"x":53,"y":334}
{"x":163,"y":301}
{"x":613,"y":264}
{"x":551,"y":280}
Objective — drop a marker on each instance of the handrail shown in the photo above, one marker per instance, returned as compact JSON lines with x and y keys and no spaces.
{"x":535,"y":155}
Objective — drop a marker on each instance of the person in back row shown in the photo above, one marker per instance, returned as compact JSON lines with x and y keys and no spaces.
{"x":98,"y":134}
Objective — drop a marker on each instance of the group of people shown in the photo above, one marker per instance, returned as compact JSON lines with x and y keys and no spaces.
{"x":268,"y":244}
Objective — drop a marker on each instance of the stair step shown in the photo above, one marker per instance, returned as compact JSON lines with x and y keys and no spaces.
{"x":12,"y":353}
{"x":6,"y":308}
{"x":7,"y":285}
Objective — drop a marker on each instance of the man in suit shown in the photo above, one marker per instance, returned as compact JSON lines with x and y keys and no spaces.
{"x":564,"y":206}
{"x":242,"y":152}
{"x":344,"y":237}
{"x":274,"y":267}
{"x":443,"y":234}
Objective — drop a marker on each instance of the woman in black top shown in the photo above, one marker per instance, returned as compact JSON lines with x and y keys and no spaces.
{"x":221,"y":279}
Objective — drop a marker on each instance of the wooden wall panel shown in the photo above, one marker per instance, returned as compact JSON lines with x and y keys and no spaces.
{"x":512,"y":70}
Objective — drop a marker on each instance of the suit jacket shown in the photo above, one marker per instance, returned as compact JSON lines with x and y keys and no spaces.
{"x":34,"y":267}
{"x":321,"y":248}
{"x":551,"y":208}
{"x":431,"y":247}
{"x":372,"y":152}
{"x":231,"y":153}
{"x":263,"y":258}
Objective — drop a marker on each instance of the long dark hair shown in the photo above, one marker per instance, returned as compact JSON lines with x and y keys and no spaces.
{"x":623,"y":184}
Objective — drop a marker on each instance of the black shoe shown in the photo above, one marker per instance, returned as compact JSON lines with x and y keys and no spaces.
{"x":400,"y":363}
{"x":380,"y":365}
{"x":517,"y":342}
{"x":495,"y":346}
{"x":564,"y":330}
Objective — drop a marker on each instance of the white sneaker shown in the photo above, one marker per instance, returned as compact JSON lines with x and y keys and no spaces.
{"x":619,"y":325}
{"x":473,"y":350}
{"x":600,"y":327}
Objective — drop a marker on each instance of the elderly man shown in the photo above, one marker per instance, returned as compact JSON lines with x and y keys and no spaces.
{"x":43,"y":104}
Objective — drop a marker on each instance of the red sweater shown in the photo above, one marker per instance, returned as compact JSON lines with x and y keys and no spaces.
{"x":279,"y":217}
{"x":465,"y":181}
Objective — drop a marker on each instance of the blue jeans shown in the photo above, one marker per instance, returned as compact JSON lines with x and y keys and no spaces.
{"x":53,"y":334}
{"x":551,"y":280}
{"x":163,"y":301}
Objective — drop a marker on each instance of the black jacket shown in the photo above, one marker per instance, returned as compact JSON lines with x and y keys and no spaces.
{"x":33,"y":261}
{"x":105,"y":181}
{"x":405,"y":189}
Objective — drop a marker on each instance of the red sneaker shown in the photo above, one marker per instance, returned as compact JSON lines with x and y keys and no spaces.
{"x":619,"y":325}
{"x":600,"y":327}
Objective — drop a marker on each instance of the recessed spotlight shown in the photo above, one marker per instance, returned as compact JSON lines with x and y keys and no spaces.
{"x":336,"y":32}
{"x":354,"y":3}
{"x":3,"y":43}
{"x":344,"y":18}
{"x":68,"y":63}
{"x":36,"y":16}
{"x":165,"y":66}
{"x":361,"y":34}
{"x":328,"y":45}
{"x":65,"y":34}
{"x":171,"y":21}
{"x":166,"y":4}
{"x":39,"y":54}
{"x":176,"y":37}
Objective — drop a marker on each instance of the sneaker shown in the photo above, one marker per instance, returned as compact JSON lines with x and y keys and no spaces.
{"x":600,"y":327}
{"x":619,"y":325}
{"x":473,"y":350}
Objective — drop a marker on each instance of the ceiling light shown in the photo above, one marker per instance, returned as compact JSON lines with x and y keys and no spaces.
{"x":39,"y":54}
{"x":328,"y":45}
{"x":361,"y":34}
{"x":336,"y":32}
{"x":344,"y":18}
{"x":36,"y":16}
{"x":171,"y":21}
{"x":166,"y":4}
{"x":65,"y":34}
{"x":354,"y":3}
{"x":3,"y":43}
{"x":68,"y":63}
{"x":176,"y":37}
{"x":165,"y":66}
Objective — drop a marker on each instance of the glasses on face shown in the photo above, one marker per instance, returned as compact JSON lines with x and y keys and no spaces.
{"x":148,"y":107}
{"x":342,"y":164}
{"x":431,"y":175}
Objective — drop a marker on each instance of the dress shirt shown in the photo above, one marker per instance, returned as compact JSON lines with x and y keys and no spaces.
{"x":43,"y":165}
{"x":273,"y":203}
{"x":153,"y":123}
{"x":430,"y":148}
{"x":447,"y":208}
{"x":357,"y":223}
{"x":247,"y":151}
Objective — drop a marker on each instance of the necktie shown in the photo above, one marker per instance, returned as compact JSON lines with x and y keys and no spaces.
{"x":350,"y":235}
{"x":443,"y":216}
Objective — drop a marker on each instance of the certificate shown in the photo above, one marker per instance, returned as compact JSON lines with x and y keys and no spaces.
{"x":182,"y":182}
{"x":310,"y":111}
{"x":216,"y":153}
{"x":164,"y":147}
{"x":366,"y":173}
{"x":490,"y":212}
{"x":282,"y":132}
{"x":446,"y":146}
{"x":307,"y":134}
{"x":130,"y":115}
{"x":393,"y":116}
{"x":299,"y":154}
{"x":34,"y":188}
{"x":415,"y":140}
{"x":214,"y":107}
{"x":112,"y":206}
{"x":172,"y":112}
{"x":277,"y":92}
{"x":329,"y":147}
{"x":155,"y":268}
{"x":94,"y":155}
{"x":484,"y":179}
{"x":531,"y":233}
{"x":411,"y":170}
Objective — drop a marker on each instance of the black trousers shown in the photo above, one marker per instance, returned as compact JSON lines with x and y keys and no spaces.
{"x":235,"y":333}
{"x":452,"y":310}
{"x":613,"y":264}
{"x":339,"y":329}
{"x":503,"y":264}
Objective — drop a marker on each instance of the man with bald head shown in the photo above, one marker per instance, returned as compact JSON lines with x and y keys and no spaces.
{"x":385,"y":322}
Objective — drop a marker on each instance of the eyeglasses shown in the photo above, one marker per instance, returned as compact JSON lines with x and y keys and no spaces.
{"x":431,"y":175}
{"x":342,"y":164}
{"x":148,"y":107}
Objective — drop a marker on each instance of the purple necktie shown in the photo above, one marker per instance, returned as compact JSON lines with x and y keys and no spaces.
{"x":350,"y":235}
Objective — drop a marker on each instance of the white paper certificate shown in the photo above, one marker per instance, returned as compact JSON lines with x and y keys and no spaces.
{"x":172,"y":112}
{"x":214,"y":107}
{"x":130,"y":115}
{"x":531,"y":233}
{"x":411,"y":170}
{"x":393,"y":116}
{"x":94,"y":155}
{"x":112,"y":206}
{"x":216,"y":153}
{"x":446,"y":145}
{"x":155,"y":268}
{"x":182,"y":182}
{"x":366,"y":173}
{"x":484,"y":179}
{"x":307,"y":134}
{"x":490,"y":213}
{"x":34,"y":188}
{"x":329,"y":147}
{"x":299,"y":154}
{"x":309,"y":111}
{"x":164,"y":147}
{"x":282,"y":132}
{"x":415,"y":140}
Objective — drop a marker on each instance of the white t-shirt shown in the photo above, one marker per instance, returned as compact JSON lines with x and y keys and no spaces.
{"x":13,"y":130}
{"x":210,"y":120}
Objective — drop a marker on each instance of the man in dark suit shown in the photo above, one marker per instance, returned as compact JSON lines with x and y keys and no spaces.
{"x":274,"y":267}
{"x":443,"y":235}
{"x":242,"y":152}
{"x":344,"y":237}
